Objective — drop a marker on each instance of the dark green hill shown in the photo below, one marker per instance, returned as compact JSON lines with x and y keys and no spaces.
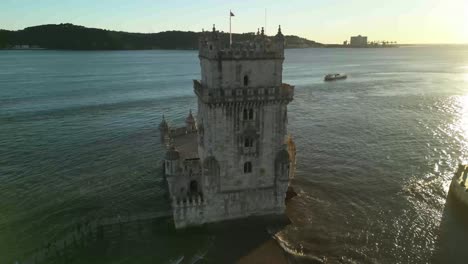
{"x":72,"y":37}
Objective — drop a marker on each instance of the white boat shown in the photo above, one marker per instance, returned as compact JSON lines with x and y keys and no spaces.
{"x":335,"y":76}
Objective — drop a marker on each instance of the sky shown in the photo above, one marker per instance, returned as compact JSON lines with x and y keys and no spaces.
{"x":325,"y":21}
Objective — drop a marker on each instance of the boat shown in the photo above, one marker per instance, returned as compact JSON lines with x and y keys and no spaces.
{"x":335,"y":76}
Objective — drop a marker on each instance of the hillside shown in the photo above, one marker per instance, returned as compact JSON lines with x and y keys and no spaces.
{"x":73,"y":37}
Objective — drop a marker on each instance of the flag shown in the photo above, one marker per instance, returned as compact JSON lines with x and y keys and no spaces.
{"x":232,"y":14}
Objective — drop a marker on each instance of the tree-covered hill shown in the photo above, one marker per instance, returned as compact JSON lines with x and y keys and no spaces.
{"x":72,"y":37}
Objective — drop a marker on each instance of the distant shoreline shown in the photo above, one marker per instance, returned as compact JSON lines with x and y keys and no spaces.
{"x":290,"y":48}
{"x":326,"y":46}
{"x":73,"y":37}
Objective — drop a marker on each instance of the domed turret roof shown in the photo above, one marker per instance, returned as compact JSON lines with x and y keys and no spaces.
{"x":172,"y":154}
{"x":279,"y":35}
{"x":163,"y":125}
{"x":190,"y":118}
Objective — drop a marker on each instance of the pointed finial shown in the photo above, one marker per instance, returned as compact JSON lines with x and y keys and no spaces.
{"x":258,"y":31}
{"x":214,"y":28}
{"x":263,"y":31}
{"x":279,"y":29}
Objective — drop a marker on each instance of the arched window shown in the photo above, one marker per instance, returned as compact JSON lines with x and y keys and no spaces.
{"x":246,"y":114}
{"x":246,"y":80}
{"x":248,"y":167}
{"x":251,"y":114}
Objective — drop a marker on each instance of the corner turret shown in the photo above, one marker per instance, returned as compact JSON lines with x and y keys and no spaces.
{"x":163,"y":129}
{"x":190,"y":123}
{"x":280,"y":41}
{"x":209,"y":43}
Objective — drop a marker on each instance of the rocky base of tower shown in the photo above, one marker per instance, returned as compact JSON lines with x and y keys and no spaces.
{"x":459,"y":185}
{"x":227,"y":206}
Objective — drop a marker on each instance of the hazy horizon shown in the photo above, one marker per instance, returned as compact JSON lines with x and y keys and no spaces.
{"x":418,"y":22}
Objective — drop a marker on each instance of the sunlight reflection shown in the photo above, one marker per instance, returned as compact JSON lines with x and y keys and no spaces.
{"x":463,"y":103}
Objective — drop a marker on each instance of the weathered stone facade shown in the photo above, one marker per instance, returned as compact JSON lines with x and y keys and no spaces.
{"x":235,"y":160}
{"x":459,"y":185}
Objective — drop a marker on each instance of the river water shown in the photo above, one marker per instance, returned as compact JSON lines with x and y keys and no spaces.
{"x":376,"y":153}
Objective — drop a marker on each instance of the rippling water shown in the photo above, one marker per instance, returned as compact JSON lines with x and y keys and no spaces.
{"x":376,"y":152}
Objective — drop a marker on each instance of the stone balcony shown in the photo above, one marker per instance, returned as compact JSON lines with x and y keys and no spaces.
{"x":221,"y":96}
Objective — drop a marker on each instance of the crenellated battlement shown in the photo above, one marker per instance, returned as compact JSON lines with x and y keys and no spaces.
{"x":187,"y":201}
{"x":188,"y":211}
{"x":258,"y":47}
{"x":246,"y":50}
{"x":217,"y":96}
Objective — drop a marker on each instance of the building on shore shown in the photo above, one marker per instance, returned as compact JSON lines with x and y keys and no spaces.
{"x":235,"y":159}
{"x":358,"y":41}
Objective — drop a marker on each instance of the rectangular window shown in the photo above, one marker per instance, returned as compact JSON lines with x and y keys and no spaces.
{"x":248,"y":142}
{"x":248,"y":114}
{"x":248,"y":167}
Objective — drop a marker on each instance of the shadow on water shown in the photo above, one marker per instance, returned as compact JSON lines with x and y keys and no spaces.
{"x":156,"y":241}
{"x":453,"y":233}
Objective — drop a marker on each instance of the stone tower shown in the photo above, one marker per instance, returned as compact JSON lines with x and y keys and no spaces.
{"x":242,"y":155}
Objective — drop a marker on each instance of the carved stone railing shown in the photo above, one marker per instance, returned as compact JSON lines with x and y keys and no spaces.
{"x":189,"y":211}
{"x":219,"y":96}
{"x":188,"y":201}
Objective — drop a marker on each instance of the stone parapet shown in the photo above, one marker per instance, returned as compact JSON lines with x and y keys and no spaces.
{"x":218,"y":96}
{"x":188,"y":211}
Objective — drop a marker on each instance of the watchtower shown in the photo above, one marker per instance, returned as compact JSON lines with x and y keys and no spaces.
{"x":242,"y":108}
{"x":243,"y":158}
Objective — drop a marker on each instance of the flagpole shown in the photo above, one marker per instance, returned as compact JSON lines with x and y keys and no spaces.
{"x":230,"y":29}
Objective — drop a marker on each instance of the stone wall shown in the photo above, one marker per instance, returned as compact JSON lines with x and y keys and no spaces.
{"x":229,"y":205}
{"x":230,"y":74}
{"x":223,"y":139}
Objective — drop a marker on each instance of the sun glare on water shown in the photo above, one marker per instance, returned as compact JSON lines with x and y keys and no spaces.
{"x":464,"y":125}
